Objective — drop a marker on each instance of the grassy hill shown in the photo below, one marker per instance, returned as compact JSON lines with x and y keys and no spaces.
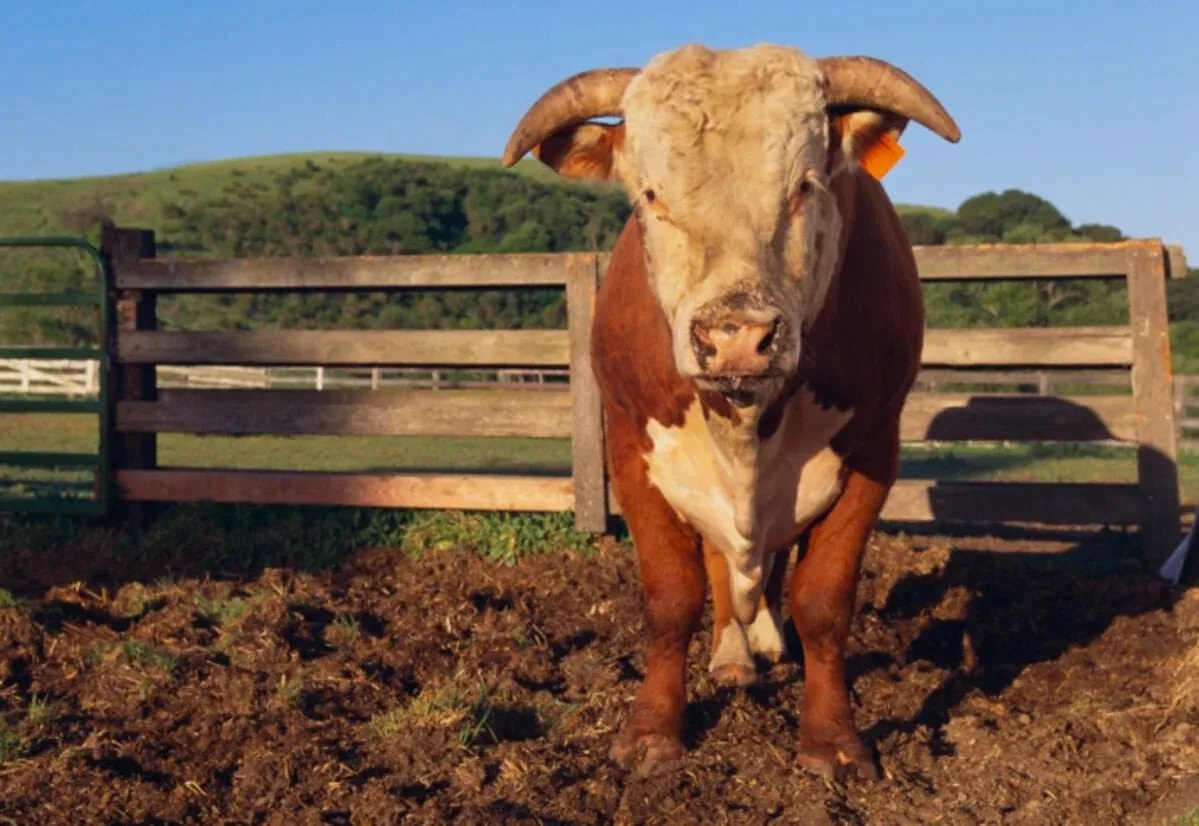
{"x":46,"y":207}
{"x":74,"y":205}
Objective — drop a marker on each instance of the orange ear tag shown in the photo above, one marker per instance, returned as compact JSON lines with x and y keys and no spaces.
{"x":882,"y":155}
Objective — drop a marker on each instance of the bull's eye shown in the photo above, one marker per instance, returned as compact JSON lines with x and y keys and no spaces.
{"x":655,"y":205}
{"x":806,"y":187}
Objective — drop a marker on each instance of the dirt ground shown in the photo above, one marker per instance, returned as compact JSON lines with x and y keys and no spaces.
{"x":995,"y":688}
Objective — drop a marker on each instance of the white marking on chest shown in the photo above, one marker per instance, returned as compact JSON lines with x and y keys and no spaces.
{"x":748,"y":496}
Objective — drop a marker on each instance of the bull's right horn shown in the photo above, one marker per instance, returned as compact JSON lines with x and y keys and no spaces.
{"x":591,"y":94}
{"x":876,"y":84}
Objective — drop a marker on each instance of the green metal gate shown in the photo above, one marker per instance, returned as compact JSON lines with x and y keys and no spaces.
{"x":98,"y":502}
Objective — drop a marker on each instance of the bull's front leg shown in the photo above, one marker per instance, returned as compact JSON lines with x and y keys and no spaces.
{"x":822,"y":597}
{"x":673,"y":583}
{"x":734,"y":645}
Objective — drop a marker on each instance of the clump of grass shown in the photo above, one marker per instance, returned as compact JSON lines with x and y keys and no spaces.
{"x":138,"y":654}
{"x":133,"y":601}
{"x":290,"y":691}
{"x":503,"y":537}
{"x":1191,"y":818}
{"x":344,"y":631}
{"x":12,"y":745}
{"x":147,"y":656}
{"x":10,"y":600}
{"x":40,"y":710}
{"x":461,"y":704}
{"x":221,"y":611}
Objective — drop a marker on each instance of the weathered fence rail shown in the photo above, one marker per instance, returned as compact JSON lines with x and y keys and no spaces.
{"x":1144,"y":417}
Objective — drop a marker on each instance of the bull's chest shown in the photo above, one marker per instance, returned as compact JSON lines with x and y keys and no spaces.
{"x":744,"y":495}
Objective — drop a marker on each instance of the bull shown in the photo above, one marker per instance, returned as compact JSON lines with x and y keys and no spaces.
{"x":756,"y":333}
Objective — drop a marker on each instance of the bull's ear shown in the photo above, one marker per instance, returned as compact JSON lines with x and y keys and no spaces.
{"x":583,"y":151}
{"x":865,"y":138}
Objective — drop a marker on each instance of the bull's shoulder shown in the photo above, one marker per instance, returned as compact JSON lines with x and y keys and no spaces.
{"x":876,"y":306}
{"x":868,"y":338}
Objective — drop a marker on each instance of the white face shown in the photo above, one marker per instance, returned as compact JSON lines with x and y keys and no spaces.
{"x":725,"y":156}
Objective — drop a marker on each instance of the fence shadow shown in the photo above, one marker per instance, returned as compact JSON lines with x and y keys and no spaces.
{"x":1021,"y":609}
{"x":1025,"y":605}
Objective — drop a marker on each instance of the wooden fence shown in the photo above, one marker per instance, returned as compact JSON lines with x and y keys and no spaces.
{"x":42,"y":377}
{"x":142,"y":409}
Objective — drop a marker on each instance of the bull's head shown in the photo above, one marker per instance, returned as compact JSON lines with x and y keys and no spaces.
{"x":730,"y":159}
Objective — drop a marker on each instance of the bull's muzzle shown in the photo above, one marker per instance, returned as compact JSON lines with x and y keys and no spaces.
{"x":737,"y":346}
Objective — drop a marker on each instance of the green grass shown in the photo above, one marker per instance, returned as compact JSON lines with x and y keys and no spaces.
{"x":41,"y":710}
{"x":344,"y":631}
{"x":220,"y":611}
{"x":138,"y":654}
{"x":10,"y":600}
{"x":1017,"y":462}
{"x":459,"y":703}
{"x":12,"y":745}
{"x":502,"y":537}
{"x":1191,"y":818}
{"x":1032,"y":462}
{"x":78,"y":433}
{"x":291,"y":688}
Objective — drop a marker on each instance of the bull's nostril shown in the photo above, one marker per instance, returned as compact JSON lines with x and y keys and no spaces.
{"x":768,"y":340}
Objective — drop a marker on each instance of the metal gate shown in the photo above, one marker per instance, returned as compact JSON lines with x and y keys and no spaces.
{"x":98,"y":501}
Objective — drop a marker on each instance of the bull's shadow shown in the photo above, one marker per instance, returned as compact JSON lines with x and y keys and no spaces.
{"x":1026,"y":605}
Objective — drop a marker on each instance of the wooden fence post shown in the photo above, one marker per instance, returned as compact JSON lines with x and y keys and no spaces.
{"x":132,"y":310}
{"x":587,"y":430}
{"x":1157,"y":437}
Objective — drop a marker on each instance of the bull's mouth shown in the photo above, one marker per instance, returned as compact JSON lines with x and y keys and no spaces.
{"x":741,"y":391}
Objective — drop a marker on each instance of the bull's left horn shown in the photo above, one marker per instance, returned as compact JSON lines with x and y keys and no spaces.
{"x":876,"y":84}
{"x":592,"y":94}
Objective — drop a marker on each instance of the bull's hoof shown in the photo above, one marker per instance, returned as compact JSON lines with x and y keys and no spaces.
{"x":834,"y":757}
{"x":643,"y":753}
{"x":735,"y":675}
{"x":765,"y":637}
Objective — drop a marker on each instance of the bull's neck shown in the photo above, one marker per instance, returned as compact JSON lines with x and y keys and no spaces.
{"x":735,"y":434}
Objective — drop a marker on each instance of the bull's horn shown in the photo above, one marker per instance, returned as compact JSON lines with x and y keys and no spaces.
{"x":875,"y":84}
{"x":592,"y":94}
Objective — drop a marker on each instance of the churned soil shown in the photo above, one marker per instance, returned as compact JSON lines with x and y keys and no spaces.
{"x":449,"y":688}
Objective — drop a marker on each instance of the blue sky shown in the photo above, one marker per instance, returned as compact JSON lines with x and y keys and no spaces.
{"x":1092,"y":105}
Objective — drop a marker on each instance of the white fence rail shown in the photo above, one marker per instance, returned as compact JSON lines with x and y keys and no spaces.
{"x":81,"y":378}
{"x":333,"y":378}
{"x":49,"y":378}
